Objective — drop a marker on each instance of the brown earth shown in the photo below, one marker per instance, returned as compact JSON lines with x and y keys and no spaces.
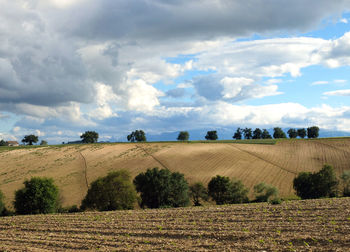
{"x":312,"y":225}
{"x":73,"y":167}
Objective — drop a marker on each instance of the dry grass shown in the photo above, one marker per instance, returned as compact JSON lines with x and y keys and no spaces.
{"x":313,"y":225}
{"x":252,"y":163}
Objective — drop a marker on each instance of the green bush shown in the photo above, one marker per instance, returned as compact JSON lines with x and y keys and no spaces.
{"x":275,"y":201}
{"x":69,"y":209}
{"x":316,"y":185}
{"x":345,"y":177}
{"x":225,"y":191}
{"x":162,"y":188}
{"x":112,"y":192}
{"x":39,"y":196}
{"x":264,"y":192}
{"x":197,"y":193}
{"x":2,"y":204}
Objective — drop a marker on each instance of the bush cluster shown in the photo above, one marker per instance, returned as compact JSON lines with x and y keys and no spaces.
{"x":160,"y":188}
{"x":317,"y":185}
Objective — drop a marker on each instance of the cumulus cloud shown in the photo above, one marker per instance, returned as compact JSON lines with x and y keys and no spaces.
{"x":86,"y":61}
{"x":232,"y":88}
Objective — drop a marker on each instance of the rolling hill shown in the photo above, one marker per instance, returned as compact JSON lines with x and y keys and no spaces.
{"x":73,"y":167}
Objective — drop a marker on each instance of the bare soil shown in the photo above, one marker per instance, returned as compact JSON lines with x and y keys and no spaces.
{"x":312,"y":225}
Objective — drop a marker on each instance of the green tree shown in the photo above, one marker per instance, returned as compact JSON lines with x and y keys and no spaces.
{"x":316,"y":185}
{"x":257,"y":133}
{"x":39,"y":196}
{"x":292,"y":133}
{"x":345,"y":177}
{"x":265,"y":134}
{"x":225,"y":191}
{"x":162,"y":188}
{"x":264,"y":192}
{"x":238,"y":134}
{"x":278,"y":133}
{"x":112,"y":192}
{"x":30,"y":139}
{"x":183,"y":136}
{"x":301,"y":133}
{"x":43,"y":142}
{"x":197,"y":193}
{"x":211,"y":135}
{"x":247,"y":133}
{"x":3,"y":143}
{"x":89,"y":137}
{"x":137,"y":136}
{"x":313,"y":132}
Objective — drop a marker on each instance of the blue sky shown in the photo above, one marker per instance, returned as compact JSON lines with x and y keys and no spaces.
{"x":115,"y":66}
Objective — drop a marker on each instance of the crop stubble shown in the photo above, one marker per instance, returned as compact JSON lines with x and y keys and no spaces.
{"x":312,"y":225}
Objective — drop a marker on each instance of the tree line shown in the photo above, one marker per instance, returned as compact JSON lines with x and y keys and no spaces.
{"x":246,"y":133}
{"x":161,"y":188}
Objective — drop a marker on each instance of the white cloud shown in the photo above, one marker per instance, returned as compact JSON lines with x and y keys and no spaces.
{"x":273,"y":81}
{"x":316,"y":83}
{"x":142,"y":97}
{"x":343,"y":20}
{"x":340,"y":81}
{"x":343,"y":92}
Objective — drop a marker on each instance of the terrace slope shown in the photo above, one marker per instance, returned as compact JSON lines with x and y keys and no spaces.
{"x":73,"y":166}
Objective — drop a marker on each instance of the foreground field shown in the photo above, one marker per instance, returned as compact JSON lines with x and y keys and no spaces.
{"x":313,"y":225}
{"x":74,"y":167}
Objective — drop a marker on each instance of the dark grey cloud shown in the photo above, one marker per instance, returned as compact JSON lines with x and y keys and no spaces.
{"x":37,"y":66}
{"x":163,"y":19}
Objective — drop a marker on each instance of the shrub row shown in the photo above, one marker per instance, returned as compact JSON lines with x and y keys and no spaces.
{"x":161,"y":188}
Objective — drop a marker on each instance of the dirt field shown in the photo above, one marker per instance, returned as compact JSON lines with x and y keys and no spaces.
{"x":73,"y":167}
{"x":313,"y":225}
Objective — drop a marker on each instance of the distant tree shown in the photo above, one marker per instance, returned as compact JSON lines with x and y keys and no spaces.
{"x":247,"y":133}
{"x":257,"y":133}
{"x":211,"y":135}
{"x":43,"y":142}
{"x":301,"y":133}
{"x":265,"y":134}
{"x":264,"y":192}
{"x":225,"y":191}
{"x":292,"y":133}
{"x":112,"y":192}
{"x":3,"y":143}
{"x":312,"y":132}
{"x":345,"y":177}
{"x":238,"y":134}
{"x":316,"y":185}
{"x":197,"y":193}
{"x":183,"y":136}
{"x":162,"y":188}
{"x":278,"y":133}
{"x":89,"y":137}
{"x":39,"y":196}
{"x":137,"y":136}
{"x":30,"y":139}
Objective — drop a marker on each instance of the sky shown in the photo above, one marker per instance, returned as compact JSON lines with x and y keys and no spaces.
{"x":114,"y":66}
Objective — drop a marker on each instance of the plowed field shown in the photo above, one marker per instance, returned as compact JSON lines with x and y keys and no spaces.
{"x":313,"y":225}
{"x":73,"y":167}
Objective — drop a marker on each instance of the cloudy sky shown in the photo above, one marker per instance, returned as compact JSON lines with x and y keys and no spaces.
{"x":113,"y":66}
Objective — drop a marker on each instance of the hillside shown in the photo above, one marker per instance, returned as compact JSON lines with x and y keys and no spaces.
{"x":73,"y":167}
